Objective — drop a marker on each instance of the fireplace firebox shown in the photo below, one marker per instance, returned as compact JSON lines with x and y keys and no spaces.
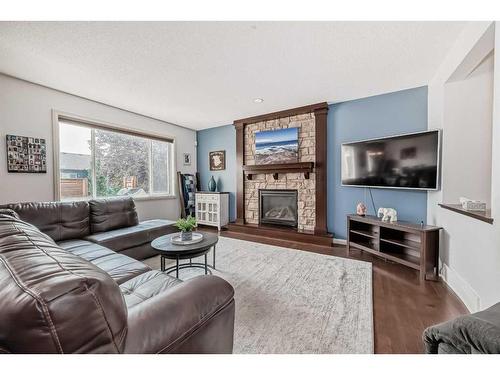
{"x":278,"y":207}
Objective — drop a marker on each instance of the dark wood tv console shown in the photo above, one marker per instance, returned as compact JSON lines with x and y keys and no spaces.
{"x":413,"y":245}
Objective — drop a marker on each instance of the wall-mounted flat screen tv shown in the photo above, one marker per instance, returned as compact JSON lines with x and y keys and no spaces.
{"x":409,"y":161}
{"x":277,"y":146}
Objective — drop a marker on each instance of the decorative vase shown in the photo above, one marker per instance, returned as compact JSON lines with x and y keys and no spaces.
{"x":186,"y":236}
{"x":212,"y":185}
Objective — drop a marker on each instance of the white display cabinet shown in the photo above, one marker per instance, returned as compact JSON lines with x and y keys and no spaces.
{"x":212,"y":208}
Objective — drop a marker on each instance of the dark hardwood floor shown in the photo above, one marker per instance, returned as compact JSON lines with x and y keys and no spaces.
{"x":403,"y":307}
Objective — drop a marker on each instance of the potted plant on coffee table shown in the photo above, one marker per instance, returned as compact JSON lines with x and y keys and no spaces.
{"x":186,"y":227}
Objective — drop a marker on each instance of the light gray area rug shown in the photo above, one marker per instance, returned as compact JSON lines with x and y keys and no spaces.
{"x":292,"y":301}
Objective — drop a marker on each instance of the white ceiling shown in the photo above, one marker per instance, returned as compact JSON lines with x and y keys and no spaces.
{"x":206,"y":74}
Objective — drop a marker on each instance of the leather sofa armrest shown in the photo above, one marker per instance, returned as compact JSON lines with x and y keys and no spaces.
{"x":9,"y":212}
{"x":196,"y":316}
{"x":474,"y":333}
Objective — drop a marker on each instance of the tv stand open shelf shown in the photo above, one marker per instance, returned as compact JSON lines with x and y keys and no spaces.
{"x":409,"y":244}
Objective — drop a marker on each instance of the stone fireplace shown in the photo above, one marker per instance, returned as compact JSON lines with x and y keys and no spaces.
{"x":278,"y":207}
{"x":290,"y":194}
{"x":305,"y":187}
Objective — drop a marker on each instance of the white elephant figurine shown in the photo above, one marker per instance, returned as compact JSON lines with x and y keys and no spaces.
{"x":387,"y":214}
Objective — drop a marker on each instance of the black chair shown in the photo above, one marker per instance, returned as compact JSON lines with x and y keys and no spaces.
{"x":189,"y":184}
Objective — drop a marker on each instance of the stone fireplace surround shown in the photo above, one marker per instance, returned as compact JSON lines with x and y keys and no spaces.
{"x":306,"y":187}
{"x":308,"y":176}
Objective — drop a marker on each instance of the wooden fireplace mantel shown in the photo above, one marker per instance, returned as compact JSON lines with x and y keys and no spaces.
{"x":303,"y":167}
{"x":320,"y":111}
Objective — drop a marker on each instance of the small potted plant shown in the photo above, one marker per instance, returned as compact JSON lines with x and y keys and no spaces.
{"x":186,"y":227}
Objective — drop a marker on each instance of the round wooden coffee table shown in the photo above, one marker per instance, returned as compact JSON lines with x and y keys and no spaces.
{"x":168,"y":250}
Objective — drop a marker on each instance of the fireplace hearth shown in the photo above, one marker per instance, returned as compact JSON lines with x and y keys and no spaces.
{"x":278,"y":207}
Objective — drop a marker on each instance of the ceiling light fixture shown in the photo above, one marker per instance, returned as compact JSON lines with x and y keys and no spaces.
{"x":258,"y":100}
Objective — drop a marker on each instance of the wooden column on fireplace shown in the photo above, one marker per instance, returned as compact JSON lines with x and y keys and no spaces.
{"x":240,"y":161}
{"x":319,"y":167}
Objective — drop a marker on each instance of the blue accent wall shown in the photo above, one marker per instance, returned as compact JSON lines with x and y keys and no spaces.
{"x":377,"y":116}
{"x":216,"y":139}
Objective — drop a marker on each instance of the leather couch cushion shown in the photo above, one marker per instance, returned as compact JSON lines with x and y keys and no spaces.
{"x":112,"y":213}
{"x":140,"y":252}
{"x":120,"y":267}
{"x":60,"y":220}
{"x":87,"y":250}
{"x":477,"y":333}
{"x":53,"y":301}
{"x":146,"y":286}
{"x":124,"y":238}
{"x":193,"y":309}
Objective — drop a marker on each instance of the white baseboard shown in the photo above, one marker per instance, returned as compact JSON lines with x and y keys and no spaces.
{"x":339,"y":241}
{"x":461,"y":288}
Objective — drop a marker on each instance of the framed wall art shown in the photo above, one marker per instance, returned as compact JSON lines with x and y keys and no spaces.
{"x":187,"y":159}
{"x":277,"y":146}
{"x":26,"y":154}
{"x":217,"y":160}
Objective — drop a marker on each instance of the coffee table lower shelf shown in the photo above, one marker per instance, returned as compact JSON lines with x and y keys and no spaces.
{"x":178,"y":266}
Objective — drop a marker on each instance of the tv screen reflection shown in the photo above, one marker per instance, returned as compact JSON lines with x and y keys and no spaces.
{"x":408,"y":161}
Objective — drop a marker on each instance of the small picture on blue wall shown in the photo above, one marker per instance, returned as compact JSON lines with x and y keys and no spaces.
{"x":217,"y":160}
{"x":277,"y":146}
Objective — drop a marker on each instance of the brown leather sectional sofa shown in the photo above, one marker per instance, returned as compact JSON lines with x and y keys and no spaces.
{"x":69,"y":284}
{"x":112,"y":223}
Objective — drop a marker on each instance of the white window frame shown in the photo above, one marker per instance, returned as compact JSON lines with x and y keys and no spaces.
{"x":57,"y":116}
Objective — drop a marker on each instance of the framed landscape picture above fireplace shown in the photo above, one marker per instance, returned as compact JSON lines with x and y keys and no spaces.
{"x":277,"y":146}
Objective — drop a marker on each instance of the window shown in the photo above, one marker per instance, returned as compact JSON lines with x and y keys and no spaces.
{"x":101,"y":162}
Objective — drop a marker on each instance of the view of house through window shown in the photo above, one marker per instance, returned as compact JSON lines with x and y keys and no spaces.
{"x":95,"y":162}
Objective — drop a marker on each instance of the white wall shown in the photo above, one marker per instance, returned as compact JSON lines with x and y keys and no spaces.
{"x":468,"y":104}
{"x":26,"y":109}
{"x":470,"y":249}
